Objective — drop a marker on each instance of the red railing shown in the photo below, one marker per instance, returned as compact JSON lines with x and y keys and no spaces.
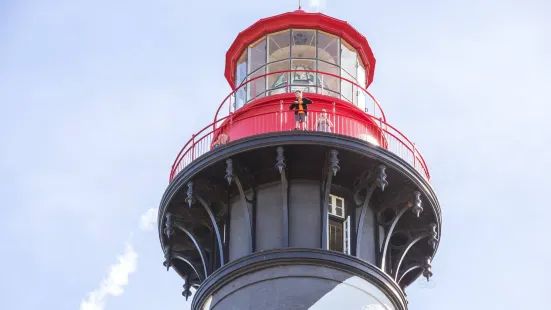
{"x":258,"y":86}
{"x":367,"y":128}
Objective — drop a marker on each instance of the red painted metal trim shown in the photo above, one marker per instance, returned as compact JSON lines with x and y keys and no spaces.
{"x":280,"y":103}
{"x":388,"y":137}
{"x":303,"y":20}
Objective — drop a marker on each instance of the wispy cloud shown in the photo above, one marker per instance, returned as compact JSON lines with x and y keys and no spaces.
{"x":120,"y":272}
{"x":148,"y":219}
{"x":115,"y":282}
{"x":316,"y":5}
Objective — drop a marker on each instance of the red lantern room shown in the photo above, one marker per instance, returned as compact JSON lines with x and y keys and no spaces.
{"x":325,"y":58}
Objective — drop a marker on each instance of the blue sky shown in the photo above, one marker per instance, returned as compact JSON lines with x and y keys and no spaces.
{"x":97,"y":97}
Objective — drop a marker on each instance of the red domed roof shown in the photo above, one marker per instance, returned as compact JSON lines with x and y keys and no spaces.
{"x":303,"y":20}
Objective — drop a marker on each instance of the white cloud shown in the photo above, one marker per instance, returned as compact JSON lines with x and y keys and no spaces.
{"x":317,"y":5}
{"x":115,"y":282}
{"x":148,"y":219}
{"x":119,"y":273}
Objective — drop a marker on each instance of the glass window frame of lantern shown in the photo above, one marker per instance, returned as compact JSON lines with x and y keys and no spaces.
{"x":278,"y":84}
{"x":349,"y":71}
{"x":333,"y":39}
{"x":257,"y":88}
{"x":271,"y":40}
{"x":331,"y":84}
{"x":312,"y":38}
{"x":304,"y":81}
{"x":361,"y":95}
{"x":240,"y":78}
{"x":282,"y":80}
{"x":339,"y":88}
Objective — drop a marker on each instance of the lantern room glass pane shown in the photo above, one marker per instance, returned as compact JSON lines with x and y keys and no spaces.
{"x":303,"y":44}
{"x":347,"y":87}
{"x":277,"y":82}
{"x":301,"y":49}
{"x":349,"y":59}
{"x":279,"y":45}
{"x":328,"y":48}
{"x":240,"y":77}
{"x":257,"y":87}
{"x":257,"y":55}
{"x":241,"y":69}
{"x":361,"y":75}
{"x":303,"y":80}
{"x":329,"y":81}
{"x":361,"y":98}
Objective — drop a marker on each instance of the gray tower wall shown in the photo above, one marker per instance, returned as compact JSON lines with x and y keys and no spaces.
{"x":304,"y":221}
{"x":269,"y":218}
{"x":368,"y":247}
{"x":299,"y":279}
{"x":304,"y":214}
{"x":238,"y":231}
{"x":300,"y":287}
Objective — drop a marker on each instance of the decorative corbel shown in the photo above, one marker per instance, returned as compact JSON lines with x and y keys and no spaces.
{"x":333,"y":169}
{"x":334,"y":162}
{"x":409,"y":269}
{"x":191,"y":265}
{"x":360,"y":183}
{"x":403,"y":254}
{"x":189,"y":199}
{"x":197,"y":246}
{"x":281,"y":165}
{"x":380,"y":182}
{"x":229,"y":171}
{"x":425,"y":266}
{"x":187,"y":287}
{"x":169,"y":231}
{"x":427,"y":272}
{"x":205,"y":205}
{"x":434,"y":236}
{"x":280,"y":160}
{"x":231,"y":177}
{"x":168,"y":256}
{"x":416,"y":208}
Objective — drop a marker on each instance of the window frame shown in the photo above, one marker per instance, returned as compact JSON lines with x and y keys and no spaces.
{"x":333,"y":201}
{"x":315,"y":41}
{"x":268,"y":38}
{"x":344,"y":220}
{"x":264,"y":68}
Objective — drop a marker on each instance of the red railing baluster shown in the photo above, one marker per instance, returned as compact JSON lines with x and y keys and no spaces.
{"x":414,"y":156}
{"x":372,"y":125}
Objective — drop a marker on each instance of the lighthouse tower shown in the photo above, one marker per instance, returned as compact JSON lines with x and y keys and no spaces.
{"x":258,"y":215}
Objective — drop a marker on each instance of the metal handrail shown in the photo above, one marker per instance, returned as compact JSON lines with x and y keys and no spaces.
{"x":228,"y":100}
{"x":390,"y":137}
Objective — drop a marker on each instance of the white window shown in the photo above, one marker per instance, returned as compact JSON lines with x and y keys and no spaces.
{"x":336,"y":206}
{"x":335,"y":240}
{"x":338,"y":228}
{"x":346,"y":236}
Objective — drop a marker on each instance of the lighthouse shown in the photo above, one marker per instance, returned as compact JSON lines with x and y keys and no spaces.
{"x":301,"y":193}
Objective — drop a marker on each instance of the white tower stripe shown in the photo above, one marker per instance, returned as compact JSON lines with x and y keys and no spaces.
{"x":354,"y":294}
